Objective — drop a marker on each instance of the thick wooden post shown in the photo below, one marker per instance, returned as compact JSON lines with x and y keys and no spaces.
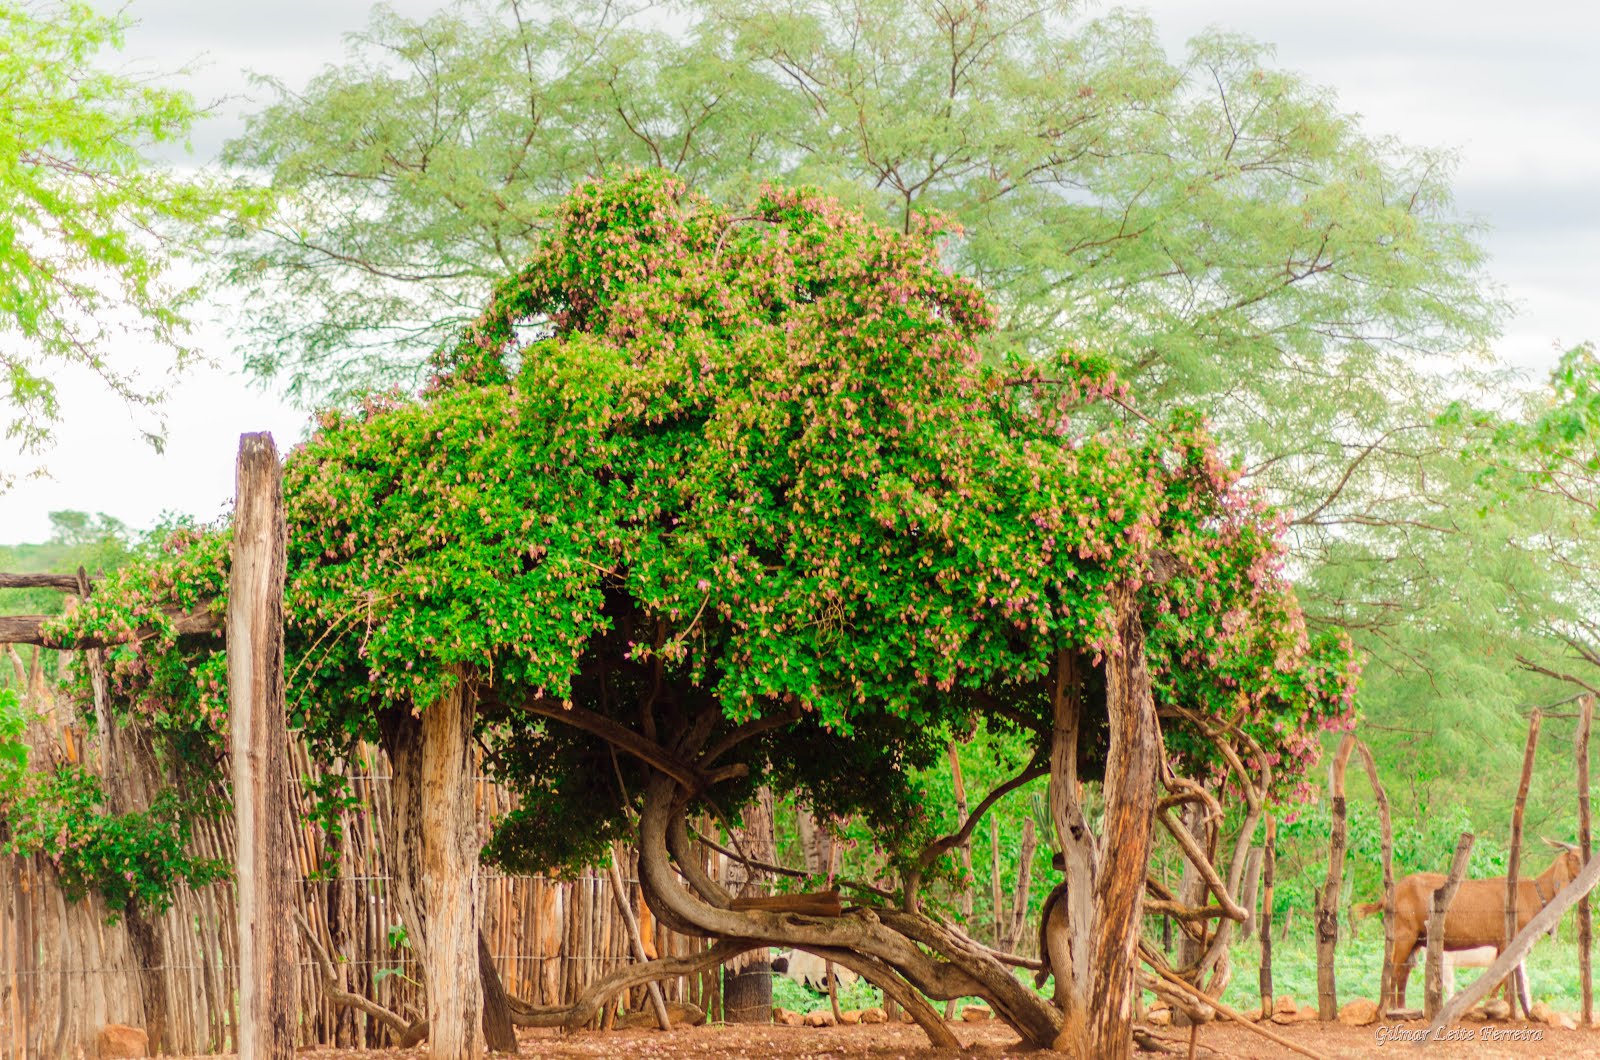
{"x":450,"y":877}
{"x":1328,"y":897}
{"x":267,"y":1002}
{"x":1432,"y":994}
{"x":1585,"y":914}
{"x":1386,"y":980}
{"x":1269,"y":860}
{"x":1514,"y":860}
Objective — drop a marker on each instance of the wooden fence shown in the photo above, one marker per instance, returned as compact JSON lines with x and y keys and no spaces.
{"x":65,"y":971}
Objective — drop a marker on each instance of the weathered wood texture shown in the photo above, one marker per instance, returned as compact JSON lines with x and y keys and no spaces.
{"x":65,"y":972}
{"x":1328,"y":896}
{"x":450,"y":845}
{"x":268,"y":1006}
{"x":1514,"y":857}
{"x":1434,"y":974}
{"x":1132,"y":764}
{"x":1585,"y":851}
{"x":1386,"y":855}
{"x":28,"y":629}
{"x":1269,"y":861}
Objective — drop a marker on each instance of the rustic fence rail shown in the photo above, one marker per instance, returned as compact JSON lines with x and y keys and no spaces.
{"x":66,"y":970}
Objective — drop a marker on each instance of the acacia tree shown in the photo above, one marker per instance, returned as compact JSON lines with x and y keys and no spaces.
{"x":706,"y":501}
{"x":89,"y":229}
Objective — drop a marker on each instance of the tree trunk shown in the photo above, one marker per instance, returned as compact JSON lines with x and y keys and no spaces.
{"x":747,"y":986}
{"x":267,"y":996}
{"x":1252,"y":886}
{"x":1434,"y":974}
{"x":1514,"y":855}
{"x":1067,"y":932}
{"x":498,"y":1030}
{"x":1133,"y":762}
{"x":1019,"y":906}
{"x":150,"y":955}
{"x":1269,"y":860}
{"x":450,"y":878}
{"x":1328,"y":897}
{"x":1386,"y":977}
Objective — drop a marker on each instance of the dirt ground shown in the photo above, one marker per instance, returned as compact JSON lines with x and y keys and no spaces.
{"x":993,"y":1041}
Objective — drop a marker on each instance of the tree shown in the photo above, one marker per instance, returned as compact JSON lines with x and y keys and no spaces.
{"x":707,"y":501}
{"x":90,"y":231}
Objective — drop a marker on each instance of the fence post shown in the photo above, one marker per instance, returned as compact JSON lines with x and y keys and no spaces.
{"x":1328,"y":897}
{"x":259,"y":748}
{"x":1514,"y":860}
{"x":1585,"y":844}
{"x":1432,"y":996}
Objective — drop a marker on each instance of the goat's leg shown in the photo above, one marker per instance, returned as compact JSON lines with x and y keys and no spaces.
{"x":1405,"y":947}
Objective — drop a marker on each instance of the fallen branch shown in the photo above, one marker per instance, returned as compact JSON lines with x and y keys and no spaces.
{"x":1227,"y":1011}
{"x":334,"y":990}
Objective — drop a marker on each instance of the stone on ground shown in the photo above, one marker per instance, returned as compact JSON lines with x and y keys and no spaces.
{"x":1358,"y":1013}
{"x":118,"y":1041}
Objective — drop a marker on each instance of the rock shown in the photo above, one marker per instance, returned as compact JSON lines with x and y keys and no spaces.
{"x":1497,"y":1009}
{"x":1358,"y":1013}
{"x":905,"y":1017}
{"x":874,"y":1015}
{"x":1475,"y":1015}
{"x":1565,"y":1021}
{"x":1300,"y":1015}
{"x":849,"y":1018}
{"x":976,"y":1014}
{"x":1540,"y":1013}
{"x":819,"y":1018}
{"x":1285,"y":1005}
{"x":118,"y":1041}
{"x":1159,"y":1017}
{"x":785,"y":1018}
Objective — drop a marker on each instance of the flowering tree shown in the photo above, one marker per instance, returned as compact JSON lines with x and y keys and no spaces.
{"x":709,"y":501}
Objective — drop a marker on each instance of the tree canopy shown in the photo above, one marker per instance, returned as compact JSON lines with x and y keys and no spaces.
{"x":710,"y":499}
{"x":90,"y":230}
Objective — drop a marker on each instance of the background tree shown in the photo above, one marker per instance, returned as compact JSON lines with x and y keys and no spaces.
{"x":90,"y":231}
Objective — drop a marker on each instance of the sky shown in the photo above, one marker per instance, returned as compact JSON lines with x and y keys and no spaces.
{"x":1511,"y":90}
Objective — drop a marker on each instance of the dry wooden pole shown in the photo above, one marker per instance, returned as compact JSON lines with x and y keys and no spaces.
{"x":1328,"y":897}
{"x":1585,"y":915}
{"x":1269,"y":859}
{"x":1386,"y":980}
{"x":636,"y":939}
{"x":267,"y":1002}
{"x":1514,"y":860}
{"x":1441,"y":902}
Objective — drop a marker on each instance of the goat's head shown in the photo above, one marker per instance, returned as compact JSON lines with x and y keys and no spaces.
{"x":1568,"y":862}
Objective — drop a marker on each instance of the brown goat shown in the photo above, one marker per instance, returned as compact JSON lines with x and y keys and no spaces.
{"x":1477,"y":914}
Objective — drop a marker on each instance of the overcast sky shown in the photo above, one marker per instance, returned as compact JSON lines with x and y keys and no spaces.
{"x":1510,"y":87}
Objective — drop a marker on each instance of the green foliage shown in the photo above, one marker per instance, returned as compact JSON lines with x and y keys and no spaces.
{"x":13,"y":752}
{"x":89,"y":230}
{"x":129,"y":859}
